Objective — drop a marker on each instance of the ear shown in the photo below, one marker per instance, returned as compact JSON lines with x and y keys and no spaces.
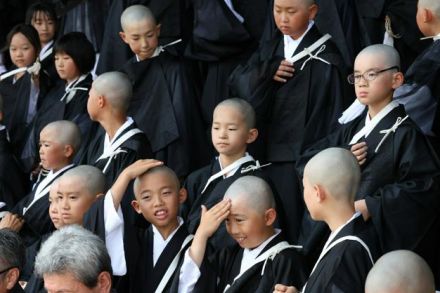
{"x":135,"y":205}
{"x":68,"y":151}
{"x":158,"y":27}
{"x":123,"y":37}
{"x":104,"y":282}
{"x":398,"y":79}
{"x":1,"y":116}
{"x":12,"y":278}
{"x":321,"y":194}
{"x":252,"y":135}
{"x":99,"y":195}
{"x":427,"y":15}
{"x":183,"y":194}
{"x":101,"y":101}
{"x":313,"y":11}
{"x":270,"y":216}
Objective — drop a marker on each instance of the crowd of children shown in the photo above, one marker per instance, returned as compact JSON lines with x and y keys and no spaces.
{"x":246,"y":149}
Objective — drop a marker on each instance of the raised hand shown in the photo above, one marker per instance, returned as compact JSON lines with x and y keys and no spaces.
{"x":12,"y":221}
{"x":209,"y":223}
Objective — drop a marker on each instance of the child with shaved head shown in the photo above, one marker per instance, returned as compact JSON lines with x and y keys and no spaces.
{"x":260,"y":258}
{"x":59,"y":142}
{"x":233,"y":130}
{"x":389,"y":148}
{"x":71,"y":197}
{"x":153,"y":258}
{"x":400,"y":271}
{"x":331,"y":179}
{"x":164,"y":101}
{"x":295,"y":81}
{"x":118,"y":142}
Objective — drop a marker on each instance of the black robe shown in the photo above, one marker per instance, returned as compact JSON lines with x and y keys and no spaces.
{"x":53,"y":109}
{"x":399,"y":184}
{"x":421,"y":93}
{"x":34,"y":283}
{"x":37,"y":220}
{"x":13,"y":183}
{"x":218,"y":43}
{"x":213,"y":194}
{"x":147,"y":277}
{"x":339,"y":18}
{"x":402,"y":14}
{"x":138,"y":247}
{"x":287,"y":268}
{"x":344,"y":268}
{"x":293,"y":115}
{"x":16,"y":100}
{"x":114,"y":52}
{"x":164,"y":106}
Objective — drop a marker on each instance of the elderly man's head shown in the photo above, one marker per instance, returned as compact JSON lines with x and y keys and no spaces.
{"x":11,"y":259}
{"x":74,"y":259}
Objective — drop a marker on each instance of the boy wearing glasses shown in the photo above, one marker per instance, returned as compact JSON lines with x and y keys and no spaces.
{"x":398,"y":193}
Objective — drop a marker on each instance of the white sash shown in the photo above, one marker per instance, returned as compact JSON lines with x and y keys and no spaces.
{"x":172,"y":267}
{"x":365,"y":131}
{"x":160,"y":49}
{"x":114,"y":149}
{"x":34,"y":69}
{"x":333,"y":244}
{"x":271,"y":253}
{"x":71,"y":89}
{"x":44,"y":187}
{"x":387,"y":132}
{"x":228,"y":169}
{"x":318,"y":45}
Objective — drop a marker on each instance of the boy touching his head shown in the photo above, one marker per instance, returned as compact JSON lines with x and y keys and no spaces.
{"x":260,"y":258}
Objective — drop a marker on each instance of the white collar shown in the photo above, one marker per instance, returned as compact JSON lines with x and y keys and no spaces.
{"x":159,"y":243}
{"x":2,"y":127}
{"x":44,"y":49}
{"x":75,"y":82}
{"x":234,"y":170}
{"x":290,"y":44}
{"x":336,"y":232}
{"x":44,"y":186}
{"x":435,"y":38}
{"x":370,"y":124}
{"x":107,"y":142}
{"x":249,"y":255}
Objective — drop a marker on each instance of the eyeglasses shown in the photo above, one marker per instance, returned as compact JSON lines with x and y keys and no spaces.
{"x":369,"y":75}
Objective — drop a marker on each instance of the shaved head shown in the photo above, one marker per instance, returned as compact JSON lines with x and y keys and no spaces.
{"x":116,"y":87}
{"x":387,"y":54}
{"x":243,"y":107}
{"x":136,"y":14}
{"x":65,"y":132}
{"x":166,"y":171}
{"x":336,"y":170}
{"x":433,"y":5}
{"x":92,"y":178}
{"x":400,"y":271}
{"x":256,"y":193}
